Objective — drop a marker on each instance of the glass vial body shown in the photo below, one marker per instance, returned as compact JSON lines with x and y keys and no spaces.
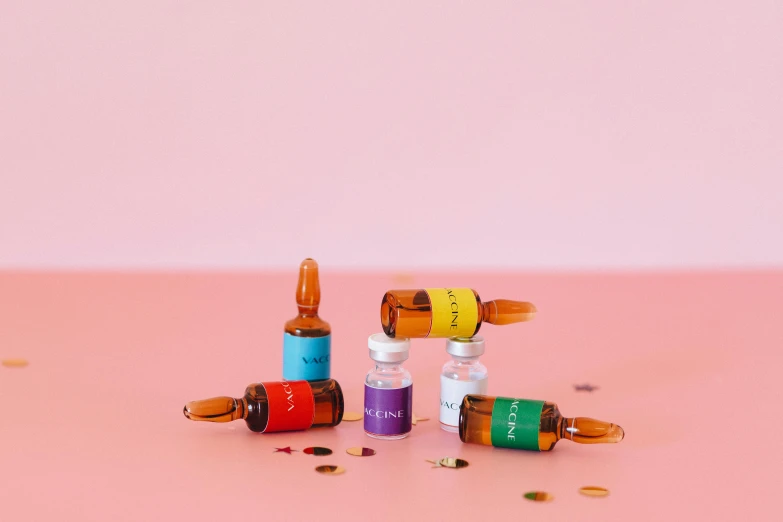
{"x":388,"y":390}
{"x":462,"y":375}
{"x":524,"y":424}
{"x":307,"y":339}
{"x":276,"y":406}
{"x":446,"y":312}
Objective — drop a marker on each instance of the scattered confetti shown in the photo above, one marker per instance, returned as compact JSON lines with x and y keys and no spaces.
{"x":585,"y":387}
{"x":538,"y":496}
{"x":449,"y":462}
{"x":15,"y":363}
{"x":594,"y":491}
{"x":330,"y":470}
{"x":417,"y":419}
{"x":351,"y":416}
{"x":317,"y":451}
{"x":287,"y":449}
{"x":360,"y":452}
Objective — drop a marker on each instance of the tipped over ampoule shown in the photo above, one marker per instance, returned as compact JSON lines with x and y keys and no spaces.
{"x":446,"y":312}
{"x":276,"y":406}
{"x":525,"y":424}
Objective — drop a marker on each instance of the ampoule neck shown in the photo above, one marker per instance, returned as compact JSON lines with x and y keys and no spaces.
{"x":308,"y":310}
{"x":217,"y":409}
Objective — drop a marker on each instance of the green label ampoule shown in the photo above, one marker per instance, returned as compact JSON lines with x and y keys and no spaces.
{"x":524,"y":424}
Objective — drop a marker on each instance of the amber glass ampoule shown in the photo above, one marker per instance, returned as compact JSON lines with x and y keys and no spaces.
{"x":276,"y":406}
{"x":526,"y":424}
{"x":446,"y":312}
{"x":307,"y":338}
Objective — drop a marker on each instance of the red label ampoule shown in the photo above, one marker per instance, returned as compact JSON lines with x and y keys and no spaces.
{"x":276,"y":406}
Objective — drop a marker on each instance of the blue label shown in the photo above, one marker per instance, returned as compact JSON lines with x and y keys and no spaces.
{"x":306,"y":358}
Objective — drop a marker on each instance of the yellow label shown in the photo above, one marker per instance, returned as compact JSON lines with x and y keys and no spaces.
{"x":454,"y":312}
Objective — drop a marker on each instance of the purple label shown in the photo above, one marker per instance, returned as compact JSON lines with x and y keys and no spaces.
{"x":388,"y":411}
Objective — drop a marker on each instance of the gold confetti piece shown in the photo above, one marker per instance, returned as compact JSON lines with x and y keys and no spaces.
{"x":317,"y":451}
{"x":594,"y":491}
{"x":15,"y":363}
{"x":358,"y":451}
{"x":538,"y":496}
{"x":449,"y":462}
{"x":330,"y":470}
{"x":351,"y":416}
{"x":416,"y":419}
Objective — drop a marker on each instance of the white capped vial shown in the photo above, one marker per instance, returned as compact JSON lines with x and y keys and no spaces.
{"x":462,"y":375}
{"x":388,"y":389}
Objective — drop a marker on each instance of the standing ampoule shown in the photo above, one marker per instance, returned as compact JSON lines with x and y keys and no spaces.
{"x":388,"y":389}
{"x":446,"y":312}
{"x":462,"y":375}
{"x":276,"y":406}
{"x":524,"y":424}
{"x":307,"y":338}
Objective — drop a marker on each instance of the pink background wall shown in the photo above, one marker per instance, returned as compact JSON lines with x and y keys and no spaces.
{"x":252,"y":134}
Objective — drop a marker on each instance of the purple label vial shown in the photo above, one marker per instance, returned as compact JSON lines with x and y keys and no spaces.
{"x":388,"y":411}
{"x":388,"y":389}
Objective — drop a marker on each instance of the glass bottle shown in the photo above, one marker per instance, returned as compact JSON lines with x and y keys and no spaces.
{"x":307,"y":338}
{"x":446,"y":312}
{"x":388,"y":389}
{"x":524,"y":424}
{"x":276,"y":406}
{"x":462,"y":375}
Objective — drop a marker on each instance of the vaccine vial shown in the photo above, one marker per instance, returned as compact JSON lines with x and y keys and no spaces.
{"x":506,"y":422}
{"x":446,"y":312}
{"x":462,"y":375}
{"x":307,"y":339}
{"x":267,"y":407}
{"x":388,"y":389}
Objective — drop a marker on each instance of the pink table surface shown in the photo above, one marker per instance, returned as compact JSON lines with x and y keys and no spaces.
{"x":93,"y":429}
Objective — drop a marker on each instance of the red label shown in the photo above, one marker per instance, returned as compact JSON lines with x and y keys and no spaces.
{"x":291,"y":406}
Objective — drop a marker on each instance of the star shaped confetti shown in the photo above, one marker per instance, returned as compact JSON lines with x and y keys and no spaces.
{"x":287,"y":449}
{"x":585,"y":387}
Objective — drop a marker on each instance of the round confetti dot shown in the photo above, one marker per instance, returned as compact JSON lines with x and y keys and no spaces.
{"x":360,"y":452}
{"x":15,"y":363}
{"x":351,"y":416}
{"x":450,"y":462}
{"x":317,"y":451}
{"x":538,"y":496}
{"x":330,"y":470}
{"x":594,"y":491}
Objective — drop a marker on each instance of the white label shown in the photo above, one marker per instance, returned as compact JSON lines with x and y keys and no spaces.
{"x":451,"y":394}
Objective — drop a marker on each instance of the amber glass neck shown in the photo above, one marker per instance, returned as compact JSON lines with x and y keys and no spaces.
{"x":503,"y":311}
{"x":217,"y":409}
{"x":585,"y":430}
{"x":308,"y":291}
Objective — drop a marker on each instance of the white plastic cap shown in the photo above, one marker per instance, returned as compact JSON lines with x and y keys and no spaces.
{"x":385,"y":349}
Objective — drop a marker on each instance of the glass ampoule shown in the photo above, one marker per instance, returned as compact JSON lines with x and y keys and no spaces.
{"x":460,"y":376}
{"x":524,"y":424}
{"x":388,"y":389}
{"x":446,"y":312}
{"x":276,"y":406}
{"x":307,"y":338}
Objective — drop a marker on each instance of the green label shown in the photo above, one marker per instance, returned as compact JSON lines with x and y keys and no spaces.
{"x":515,"y":423}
